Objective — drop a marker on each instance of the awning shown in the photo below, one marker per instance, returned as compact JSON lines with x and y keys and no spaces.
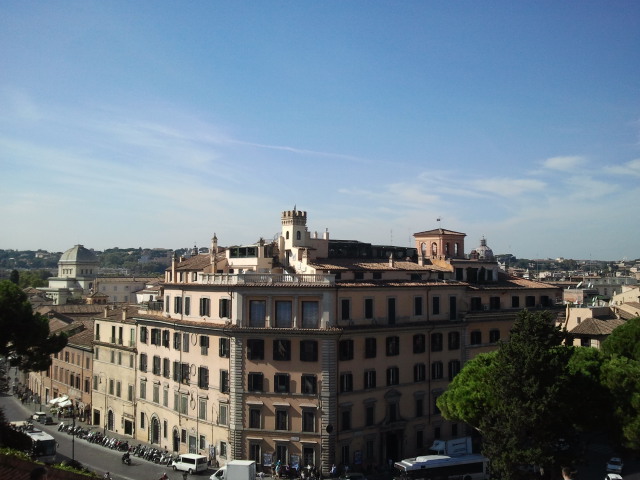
{"x":63,"y":398}
{"x":65,"y":403}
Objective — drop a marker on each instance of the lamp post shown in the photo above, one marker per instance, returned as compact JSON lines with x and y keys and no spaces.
{"x":102,"y":374}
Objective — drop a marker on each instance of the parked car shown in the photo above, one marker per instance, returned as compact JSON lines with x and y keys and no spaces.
{"x":613,"y":476}
{"x":614,"y":465}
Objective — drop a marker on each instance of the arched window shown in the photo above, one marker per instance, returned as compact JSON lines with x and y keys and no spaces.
{"x":287,"y":235}
{"x":154,"y":431}
{"x":423,"y":249}
{"x":298,"y":235}
{"x":456,"y":249}
{"x":434,"y":248}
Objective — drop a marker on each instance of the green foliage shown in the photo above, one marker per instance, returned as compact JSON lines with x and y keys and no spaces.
{"x":624,"y":340}
{"x":14,"y":277}
{"x":34,"y":278}
{"x":517,"y":396}
{"x":468,"y":395}
{"x":621,"y":376}
{"x":24,"y":335}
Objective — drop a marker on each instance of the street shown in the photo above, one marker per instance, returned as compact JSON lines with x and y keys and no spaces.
{"x":95,"y":457}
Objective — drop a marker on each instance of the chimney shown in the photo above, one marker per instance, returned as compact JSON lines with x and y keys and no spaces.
{"x":391,"y":261}
{"x":106,"y":311}
{"x":124,"y":313}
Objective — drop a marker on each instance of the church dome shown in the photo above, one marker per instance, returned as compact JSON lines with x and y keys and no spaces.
{"x":79,"y":254}
{"x":483,"y":251}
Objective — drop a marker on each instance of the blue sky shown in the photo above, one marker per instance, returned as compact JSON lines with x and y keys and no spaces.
{"x":157,"y":123}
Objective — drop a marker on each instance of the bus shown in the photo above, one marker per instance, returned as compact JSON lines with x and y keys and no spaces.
{"x":43,"y":446}
{"x":443,"y":467}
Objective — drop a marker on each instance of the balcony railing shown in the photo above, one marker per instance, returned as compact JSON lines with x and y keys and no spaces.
{"x":267,"y":278}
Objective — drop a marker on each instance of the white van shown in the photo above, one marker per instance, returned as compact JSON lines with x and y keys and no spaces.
{"x":191,"y":463}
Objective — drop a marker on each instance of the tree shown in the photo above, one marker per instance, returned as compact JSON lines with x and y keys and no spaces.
{"x":24,"y":335}
{"x":518,"y":396}
{"x":624,"y":340}
{"x":14,"y":277}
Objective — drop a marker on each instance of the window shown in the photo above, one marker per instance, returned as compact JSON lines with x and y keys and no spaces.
{"x":205,"y":307}
{"x":393,"y":376}
{"x":454,"y":340}
{"x":143,"y":389}
{"x":310,"y":315}
{"x":417,"y":306}
{"x":369,"y":414}
{"x":224,"y":308}
{"x":155,"y":336}
{"x":391,"y":311}
{"x":130,"y":393}
{"x":142,"y":420}
{"x":281,"y":383}
{"x":345,"y":423}
{"x":176,"y":340}
{"x":177,"y":370}
{"x":185,"y":342}
{"x":282,"y":420}
{"x":187,"y":306}
{"x":436,"y":370}
{"x":345,"y":309}
{"x":454,"y":368}
{"x":346,"y":350}
{"x":419,"y":406}
{"x":308,"y":351}
{"x":166,"y":368}
{"x":204,"y":345}
{"x":284,"y":318}
{"x":224,"y":381}
{"x":97,"y":331}
{"x":282,"y":350}
{"x":515,"y":301}
{"x":156,"y":393}
{"x":393,"y":346}
{"x":308,"y":420}
{"x":346,"y":382}
{"x":257,"y":313}
{"x":254,"y":382}
{"x":165,"y":397}
{"x":419,"y":372}
{"x":177,"y":305}
{"x":436,"y":342}
{"x":368,"y":308}
{"x":156,"y":365}
{"x":223,"y":419}
{"x":475,"y":337}
{"x":370,"y":379}
{"x":223,"y":449}
{"x":255,"y":349}
{"x":203,"y":377}
{"x":255,"y":418}
{"x":494,"y":335}
{"x":143,"y":362}
{"x":435,"y":305}
{"x":185,"y":373}
{"x":309,"y":384}
{"x":419,"y":343}
{"x":223,"y":347}
{"x":370,"y":347}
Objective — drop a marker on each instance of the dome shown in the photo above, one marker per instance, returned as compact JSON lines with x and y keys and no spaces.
{"x":78,"y":254}
{"x":484,"y":252}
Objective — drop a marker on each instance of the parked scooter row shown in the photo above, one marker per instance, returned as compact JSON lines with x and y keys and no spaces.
{"x":146,"y":452}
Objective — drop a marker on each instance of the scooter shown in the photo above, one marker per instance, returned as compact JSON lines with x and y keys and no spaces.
{"x":126,"y":459}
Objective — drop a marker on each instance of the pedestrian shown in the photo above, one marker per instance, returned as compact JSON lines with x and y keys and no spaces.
{"x":569,"y":474}
{"x":38,"y":473}
{"x":334,"y":471}
{"x":164,"y":476}
{"x":184,"y":475}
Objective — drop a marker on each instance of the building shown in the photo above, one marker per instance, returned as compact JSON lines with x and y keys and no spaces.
{"x":314,"y":350}
{"x":77,"y":270}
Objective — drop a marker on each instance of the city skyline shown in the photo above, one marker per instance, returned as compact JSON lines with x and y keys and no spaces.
{"x":152,"y":124}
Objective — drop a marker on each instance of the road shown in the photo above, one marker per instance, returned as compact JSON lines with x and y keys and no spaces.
{"x":92,"y":456}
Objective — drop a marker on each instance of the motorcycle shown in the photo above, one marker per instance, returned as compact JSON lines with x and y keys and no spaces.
{"x":126,"y":459}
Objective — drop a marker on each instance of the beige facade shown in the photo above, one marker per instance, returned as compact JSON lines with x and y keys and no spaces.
{"x":316,"y":350}
{"x":114,"y":371}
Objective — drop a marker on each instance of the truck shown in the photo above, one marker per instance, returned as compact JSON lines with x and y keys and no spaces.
{"x":236,"y":470}
{"x":452,"y":448}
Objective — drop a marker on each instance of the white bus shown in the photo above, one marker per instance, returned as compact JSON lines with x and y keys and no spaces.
{"x":43,"y":446}
{"x":444,"y":467}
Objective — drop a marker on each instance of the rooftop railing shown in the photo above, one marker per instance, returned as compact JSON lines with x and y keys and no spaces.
{"x":267,"y":278}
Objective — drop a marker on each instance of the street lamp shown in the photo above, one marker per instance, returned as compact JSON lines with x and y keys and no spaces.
{"x":102,"y":374}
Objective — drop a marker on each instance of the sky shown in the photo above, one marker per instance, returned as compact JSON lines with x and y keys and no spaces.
{"x":159,"y":123}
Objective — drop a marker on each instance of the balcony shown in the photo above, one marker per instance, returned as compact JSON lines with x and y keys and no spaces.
{"x":267,"y":278}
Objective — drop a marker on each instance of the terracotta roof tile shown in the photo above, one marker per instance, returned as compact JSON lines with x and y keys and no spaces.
{"x":596,"y":326}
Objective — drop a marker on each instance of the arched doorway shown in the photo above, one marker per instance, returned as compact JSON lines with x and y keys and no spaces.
{"x":176,"y":440}
{"x":110,"y":420}
{"x":154,"y":431}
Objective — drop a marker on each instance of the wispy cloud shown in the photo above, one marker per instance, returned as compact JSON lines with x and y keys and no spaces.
{"x":631,"y":168}
{"x":564,"y":164}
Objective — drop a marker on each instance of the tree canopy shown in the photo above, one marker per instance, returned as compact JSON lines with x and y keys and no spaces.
{"x":25,"y":337}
